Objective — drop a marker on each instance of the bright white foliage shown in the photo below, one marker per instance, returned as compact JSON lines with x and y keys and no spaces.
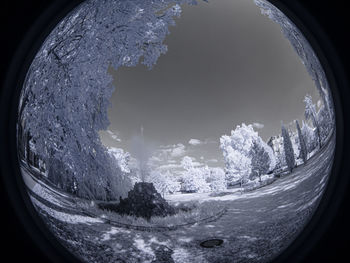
{"x":238,"y":155}
{"x":325,"y":123}
{"x":194,"y":179}
{"x":66,"y":93}
{"x":217,"y":179}
{"x":310,"y":136}
{"x":295,"y":143}
{"x":122,"y":157}
{"x":302,"y":144}
{"x":288,"y":148}
{"x":165,"y":183}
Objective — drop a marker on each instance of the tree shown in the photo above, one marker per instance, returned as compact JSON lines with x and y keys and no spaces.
{"x":310,"y":113}
{"x":260,"y":160}
{"x":309,"y":137}
{"x":238,"y":154}
{"x":164,"y":182}
{"x":325,"y":123}
{"x":172,"y":185}
{"x":276,"y":143}
{"x":121,"y":157}
{"x":303,"y":149}
{"x":67,"y":88}
{"x":288,"y":149}
{"x":217,"y":180}
{"x":194,"y":179}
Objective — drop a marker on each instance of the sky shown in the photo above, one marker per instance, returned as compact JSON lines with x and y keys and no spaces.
{"x":226,"y":64}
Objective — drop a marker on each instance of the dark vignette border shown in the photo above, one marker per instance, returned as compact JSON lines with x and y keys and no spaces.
{"x":338,"y":180}
{"x":296,"y":252}
{"x":12,"y":86}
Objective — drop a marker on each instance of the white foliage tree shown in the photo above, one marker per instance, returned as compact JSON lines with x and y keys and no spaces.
{"x":217,"y":179}
{"x":122,"y":158}
{"x":302,"y":144}
{"x":325,"y":123}
{"x":310,"y":113}
{"x":194,"y":179}
{"x":164,"y":183}
{"x":260,"y":160}
{"x":276,"y":143}
{"x":288,"y":148}
{"x":309,"y":137}
{"x":295,"y":143}
{"x":66,"y":92}
{"x":238,"y":154}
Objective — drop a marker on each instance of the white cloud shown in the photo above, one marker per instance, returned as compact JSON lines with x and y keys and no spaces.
{"x":178,"y":150}
{"x":193,"y":161}
{"x":113,"y":136}
{"x":195,"y":142}
{"x":174,"y":150}
{"x":155,"y":159}
{"x":211,"y":141}
{"x":170,"y":166}
{"x":258,"y":125}
{"x":168,"y":154}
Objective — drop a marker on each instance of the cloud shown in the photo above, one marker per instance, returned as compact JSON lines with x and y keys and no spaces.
{"x":155,"y":159}
{"x":207,"y":141}
{"x":113,"y":136}
{"x":178,"y":150}
{"x":258,"y":125}
{"x":192,"y":161}
{"x":170,"y":166}
{"x":195,"y":142}
{"x":167,"y":153}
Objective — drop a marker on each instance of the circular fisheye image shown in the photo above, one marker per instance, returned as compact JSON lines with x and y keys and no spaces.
{"x":176,"y":131}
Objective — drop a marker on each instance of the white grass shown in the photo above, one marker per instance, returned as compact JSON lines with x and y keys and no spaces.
{"x":198,"y":212}
{"x":64,"y":217}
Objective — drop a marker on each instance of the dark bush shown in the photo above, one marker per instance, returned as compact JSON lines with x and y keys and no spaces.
{"x":142,"y":201}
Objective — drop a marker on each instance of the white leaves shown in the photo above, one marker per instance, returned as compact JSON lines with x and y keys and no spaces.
{"x":310,"y":108}
{"x":178,"y":150}
{"x":122,"y":158}
{"x":238,"y":154}
{"x":165,"y":183}
{"x":67,"y":88}
{"x":288,"y":148}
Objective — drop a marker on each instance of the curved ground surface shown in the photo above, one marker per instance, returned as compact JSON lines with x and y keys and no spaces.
{"x":255,"y":228}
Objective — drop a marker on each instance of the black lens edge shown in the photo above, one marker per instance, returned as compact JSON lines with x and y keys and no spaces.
{"x":21,"y":209}
{"x":332,"y":200}
{"x":338,"y":181}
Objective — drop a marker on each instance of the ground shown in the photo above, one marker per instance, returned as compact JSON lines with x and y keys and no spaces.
{"x":256,"y":226}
